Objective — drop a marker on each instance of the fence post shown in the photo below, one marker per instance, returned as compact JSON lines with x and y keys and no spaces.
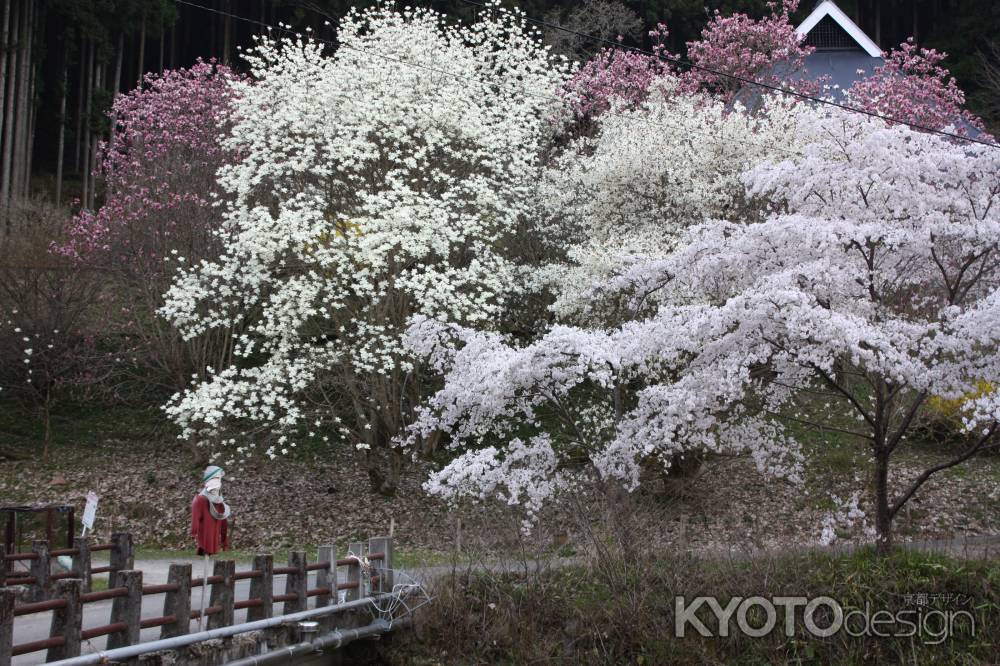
{"x":81,"y":562}
{"x":127,"y":609}
{"x":262,"y":588}
{"x":66,"y":621}
{"x":40,"y":570}
{"x":384,"y":569}
{"x":354,"y":571}
{"x":296,"y":583}
{"x":6,"y":625}
{"x":121,"y":555}
{"x":178,"y":603}
{"x":327,"y":577}
{"x":223,"y":594}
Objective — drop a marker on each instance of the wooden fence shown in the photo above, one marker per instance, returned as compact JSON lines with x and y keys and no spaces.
{"x":39,"y":579}
{"x":65,"y":595}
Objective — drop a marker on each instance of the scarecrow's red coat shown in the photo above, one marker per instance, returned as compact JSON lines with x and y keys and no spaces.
{"x":211,"y":535}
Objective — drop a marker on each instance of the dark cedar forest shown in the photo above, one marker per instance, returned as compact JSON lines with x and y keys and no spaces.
{"x":63,"y":60}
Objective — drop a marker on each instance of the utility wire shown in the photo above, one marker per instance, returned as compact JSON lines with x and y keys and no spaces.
{"x":753,"y":82}
{"x":713,"y":137}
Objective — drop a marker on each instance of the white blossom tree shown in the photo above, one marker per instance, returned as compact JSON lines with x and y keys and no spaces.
{"x":646,"y":175}
{"x":374,"y":183}
{"x":872,"y":282}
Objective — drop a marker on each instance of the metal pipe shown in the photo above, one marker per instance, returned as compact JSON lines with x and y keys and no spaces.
{"x":335,"y":639}
{"x":121,"y":654}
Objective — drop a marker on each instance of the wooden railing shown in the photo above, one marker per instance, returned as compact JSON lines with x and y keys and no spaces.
{"x":67,"y":596}
{"x":39,"y":579}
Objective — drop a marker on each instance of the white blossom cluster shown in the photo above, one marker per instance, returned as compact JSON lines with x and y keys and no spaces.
{"x":373,"y":183}
{"x":627,"y":193}
{"x":879,"y":261}
{"x":846,"y":514}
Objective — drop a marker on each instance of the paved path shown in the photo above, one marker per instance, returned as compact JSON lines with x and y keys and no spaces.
{"x":36,"y":627}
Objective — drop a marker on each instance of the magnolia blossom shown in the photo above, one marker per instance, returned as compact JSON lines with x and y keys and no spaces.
{"x":374,"y":182}
{"x":617,"y":75}
{"x":873,"y":282}
{"x":166,"y":144}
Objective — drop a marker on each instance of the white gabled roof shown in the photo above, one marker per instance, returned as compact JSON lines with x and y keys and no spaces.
{"x":829,"y":8}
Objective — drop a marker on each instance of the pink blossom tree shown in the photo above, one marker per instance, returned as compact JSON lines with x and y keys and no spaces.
{"x":617,"y":73}
{"x":738,"y":48}
{"x":159,"y":169}
{"x":913,"y":87}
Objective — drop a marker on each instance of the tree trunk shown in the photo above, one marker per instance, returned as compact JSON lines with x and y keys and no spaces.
{"x":91,"y":47}
{"x":214,"y":32}
{"x":117,"y":83}
{"x":60,"y":155}
{"x":32,"y":111}
{"x":162,"y":35}
{"x":226,"y":34}
{"x":142,"y":48}
{"x":8,"y":130}
{"x":4,"y":48}
{"x":95,"y":141}
{"x":21,"y":128}
{"x":47,"y":424}
{"x":883,"y":520}
{"x":383,"y":477}
{"x":81,"y":79}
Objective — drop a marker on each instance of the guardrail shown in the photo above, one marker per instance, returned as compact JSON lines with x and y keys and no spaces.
{"x":368,"y":572}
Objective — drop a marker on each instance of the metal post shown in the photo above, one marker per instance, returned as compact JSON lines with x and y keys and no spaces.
{"x":223,"y":594}
{"x":66,"y":621}
{"x":262,"y":588}
{"x":127,"y":609}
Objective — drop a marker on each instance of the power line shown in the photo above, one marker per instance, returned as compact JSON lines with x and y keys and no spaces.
{"x":753,"y":82}
{"x":478,"y":81}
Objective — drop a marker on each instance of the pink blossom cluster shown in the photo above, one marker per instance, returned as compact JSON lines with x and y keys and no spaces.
{"x":616,"y":73}
{"x":158,"y":168}
{"x":744,"y":49}
{"x":913,"y":87}
{"x":732,"y":50}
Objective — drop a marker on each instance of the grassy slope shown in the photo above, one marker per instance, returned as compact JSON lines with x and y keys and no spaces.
{"x":625,"y":613}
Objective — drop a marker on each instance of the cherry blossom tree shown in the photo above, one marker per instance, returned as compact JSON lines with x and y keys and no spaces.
{"x":738,"y":48}
{"x":160,"y":211}
{"x":912,"y":86}
{"x":373,"y":183}
{"x":873,"y":284}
